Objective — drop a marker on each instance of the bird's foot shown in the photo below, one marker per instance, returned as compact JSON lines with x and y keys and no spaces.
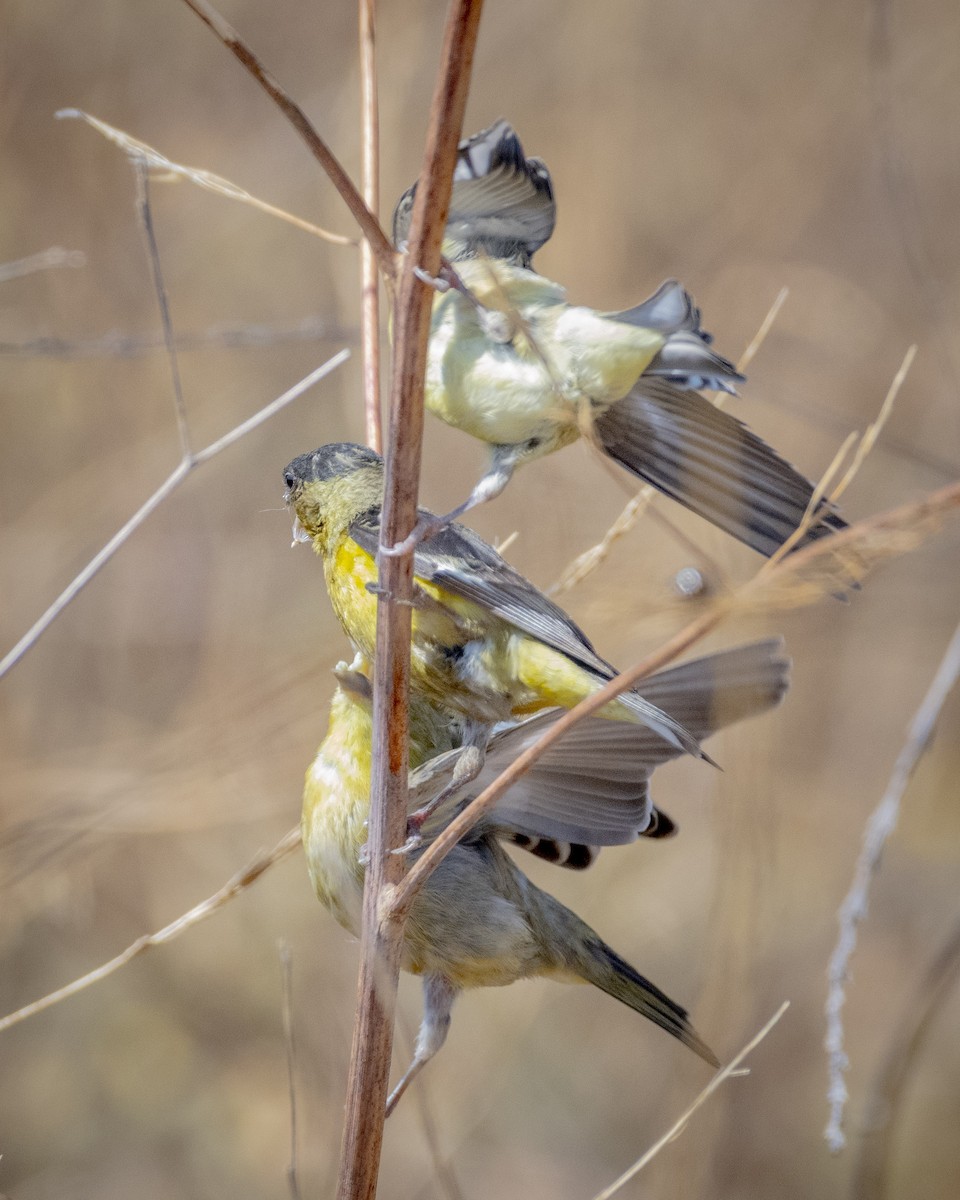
{"x":424,"y":529}
{"x":439,"y":283}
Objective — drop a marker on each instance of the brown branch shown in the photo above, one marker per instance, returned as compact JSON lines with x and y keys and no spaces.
{"x":286,"y":977}
{"x":826,"y":566}
{"x":380,"y":245}
{"x":382,"y":937}
{"x":369,"y":281}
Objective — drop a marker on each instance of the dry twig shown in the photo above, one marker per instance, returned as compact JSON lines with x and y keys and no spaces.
{"x":45,"y":260}
{"x":136,"y":149}
{"x":206,"y":908}
{"x":169,"y":485}
{"x":879,"y":827}
{"x":369,"y":280}
{"x":381,"y":940}
{"x":128,"y":345}
{"x":379,"y":243}
{"x":286,"y":975}
{"x":678,"y":1126}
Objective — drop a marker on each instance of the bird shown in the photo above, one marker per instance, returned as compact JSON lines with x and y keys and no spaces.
{"x":479,"y":921}
{"x":486,"y":643}
{"x":514,"y":364}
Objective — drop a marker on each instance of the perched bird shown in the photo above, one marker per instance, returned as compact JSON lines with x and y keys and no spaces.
{"x":514,"y":364}
{"x":486,"y":643}
{"x":479,"y":921}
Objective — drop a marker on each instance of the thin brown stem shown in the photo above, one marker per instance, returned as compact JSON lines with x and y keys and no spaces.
{"x":369,"y":279}
{"x":381,"y":941}
{"x":163,"y":301}
{"x":379,"y":243}
{"x":286,"y":978}
{"x":167,"y":168}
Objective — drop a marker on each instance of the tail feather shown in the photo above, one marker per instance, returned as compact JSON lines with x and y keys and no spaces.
{"x":686,"y":359}
{"x":617,"y":978}
{"x":582,"y":952}
{"x":711,"y":463}
{"x":578,"y":856}
{"x":688,"y":362}
{"x":669,"y":310}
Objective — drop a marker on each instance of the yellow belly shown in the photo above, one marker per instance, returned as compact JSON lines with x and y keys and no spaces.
{"x":562,"y":365}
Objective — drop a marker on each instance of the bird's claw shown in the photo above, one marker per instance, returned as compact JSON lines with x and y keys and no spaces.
{"x":423,"y":530}
{"x":437,"y":282}
{"x":414,"y":842}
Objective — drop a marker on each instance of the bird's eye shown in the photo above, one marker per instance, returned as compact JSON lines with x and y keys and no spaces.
{"x":289,"y":479}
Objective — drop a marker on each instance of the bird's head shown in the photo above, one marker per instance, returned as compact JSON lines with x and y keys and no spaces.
{"x":329,"y":488}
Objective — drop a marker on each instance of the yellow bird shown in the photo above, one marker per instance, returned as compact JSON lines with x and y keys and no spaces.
{"x":513,"y":363}
{"x":479,"y":921}
{"x":486,"y":643}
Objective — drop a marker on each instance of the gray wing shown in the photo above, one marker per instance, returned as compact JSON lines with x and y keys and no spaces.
{"x":710,"y":462}
{"x":463,"y":563}
{"x":459,"y":561}
{"x":590,"y":789}
{"x":687,"y":358}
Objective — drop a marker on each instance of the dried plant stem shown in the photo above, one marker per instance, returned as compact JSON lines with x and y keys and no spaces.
{"x":286,"y":977}
{"x":45,"y":260}
{"x":910,"y":1035}
{"x":204,"y":179}
{"x":369,"y":279}
{"x":163,"y":301}
{"x":236,"y":884}
{"x":379,"y":243}
{"x":874,"y":429}
{"x":881,"y":824}
{"x":233,"y":337}
{"x":169,"y":485}
{"x":382,"y":936}
{"x":678,"y":1126}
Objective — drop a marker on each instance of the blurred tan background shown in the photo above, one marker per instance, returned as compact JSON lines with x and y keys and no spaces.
{"x":156,"y":737}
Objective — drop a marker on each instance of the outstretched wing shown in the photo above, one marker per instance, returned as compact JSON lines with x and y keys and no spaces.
{"x":590,"y":789}
{"x":711,"y":463}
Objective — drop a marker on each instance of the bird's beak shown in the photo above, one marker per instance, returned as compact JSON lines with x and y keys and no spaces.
{"x":299,"y":533}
